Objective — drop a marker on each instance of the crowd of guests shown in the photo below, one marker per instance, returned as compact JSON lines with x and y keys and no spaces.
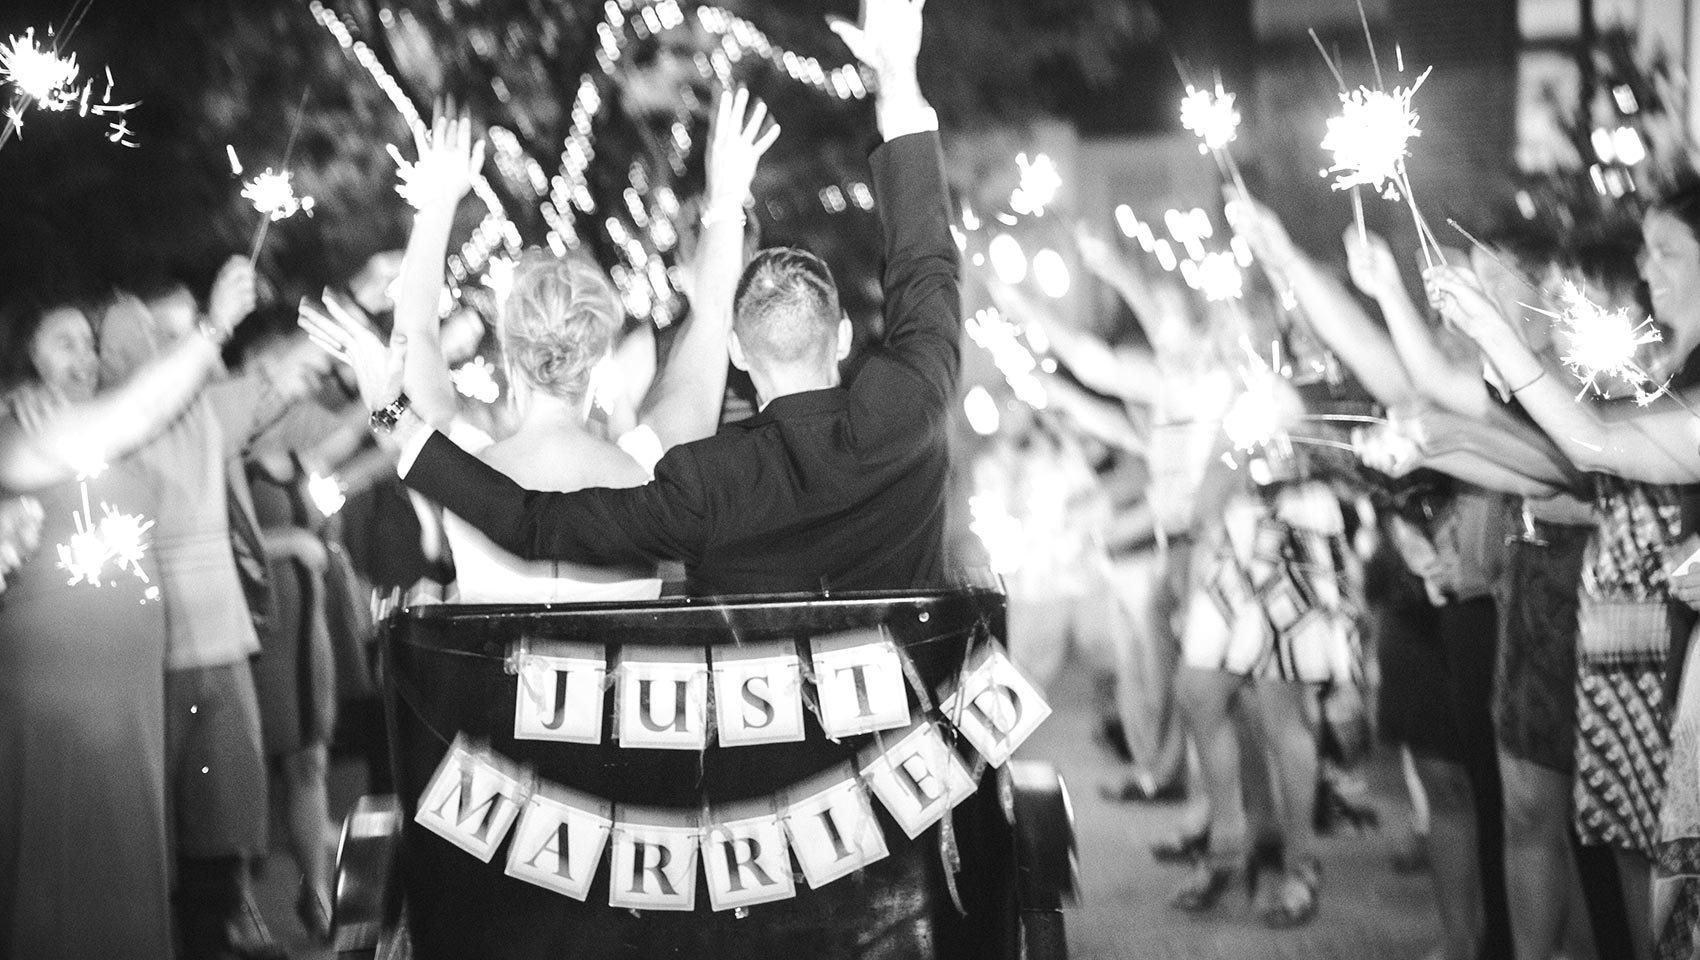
{"x":154,"y":697}
{"x":1276,"y":522}
{"x":1329,"y":505}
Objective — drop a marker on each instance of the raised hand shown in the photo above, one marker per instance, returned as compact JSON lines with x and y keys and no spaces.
{"x":1456,"y":293}
{"x":888,"y":39}
{"x":449,"y":160}
{"x":1370,"y":262}
{"x":736,"y":143}
{"x":377,"y":369}
{"x":233,"y":295}
{"x":1261,"y":229}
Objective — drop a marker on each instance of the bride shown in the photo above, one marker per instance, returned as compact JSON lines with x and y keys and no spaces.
{"x":559,"y":321}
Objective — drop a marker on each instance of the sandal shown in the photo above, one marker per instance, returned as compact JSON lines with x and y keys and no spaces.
{"x":1305,"y":879}
{"x":1182,"y":847}
{"x":1203,"y":889}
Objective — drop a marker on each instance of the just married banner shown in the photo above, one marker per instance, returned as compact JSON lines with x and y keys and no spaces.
{"x":668,"y":698}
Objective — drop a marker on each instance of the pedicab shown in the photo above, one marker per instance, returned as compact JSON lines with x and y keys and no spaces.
{"x":783,"y":776}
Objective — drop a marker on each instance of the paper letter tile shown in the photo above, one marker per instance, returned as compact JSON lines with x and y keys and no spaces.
{"x":559,"y":692}
{"x":859,"y":683}
{"x":559,"y":840}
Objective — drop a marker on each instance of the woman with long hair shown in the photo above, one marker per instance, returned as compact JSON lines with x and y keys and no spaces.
{"x":84,"y":863}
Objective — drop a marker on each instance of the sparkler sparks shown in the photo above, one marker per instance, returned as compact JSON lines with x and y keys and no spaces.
{"x":1370,"y":139}
{"x":1212,"y":116}
{"x":476,"y":379}
{"x":1002,"y":339}
{"x":41,"y":77}
{"x":1220,"y":277}
{"x":1039,"y":184}
{"x":38,"y":73}
{"x":1251,"y":421}
{"x":1603,"y":343}
{"x":118,"y":539}
{"x":273,"y":194}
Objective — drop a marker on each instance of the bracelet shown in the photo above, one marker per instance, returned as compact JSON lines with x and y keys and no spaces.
{"x":1537,"y":379}
{"x":384,"y":418}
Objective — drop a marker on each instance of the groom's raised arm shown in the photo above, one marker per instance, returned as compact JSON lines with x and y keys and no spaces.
{"x":917,"y":371}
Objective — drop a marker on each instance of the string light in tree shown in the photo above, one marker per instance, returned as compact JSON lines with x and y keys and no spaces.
{"x":496,"y":230}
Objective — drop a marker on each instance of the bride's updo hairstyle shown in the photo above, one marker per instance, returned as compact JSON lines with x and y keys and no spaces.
{"x":559,"y":320}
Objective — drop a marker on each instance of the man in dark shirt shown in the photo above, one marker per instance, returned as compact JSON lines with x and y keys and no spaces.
{"x":831,"y":485}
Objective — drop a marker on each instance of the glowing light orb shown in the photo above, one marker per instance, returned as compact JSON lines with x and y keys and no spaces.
{"x":1051,"y":273}
{"x":326,"y":494}
{"x":1370,"y":139}
{"x":1211,"y":116}
{"x":273,"y":193}
{"x":982,"y":412}
{"x":1220,"y":277}
{"x":1008,"y":260}
{"x":1251,"y":421}
{"x":1039,"y":184}
{"x":999,"y":337}
{"x":998,"y":530}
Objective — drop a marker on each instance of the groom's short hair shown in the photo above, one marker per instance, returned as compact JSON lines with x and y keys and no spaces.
{"x":786,"y":307}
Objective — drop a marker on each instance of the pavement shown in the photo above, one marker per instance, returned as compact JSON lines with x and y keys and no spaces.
{"x":1368,"y":911}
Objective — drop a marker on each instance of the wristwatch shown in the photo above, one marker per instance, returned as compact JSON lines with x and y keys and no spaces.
{"x":384,"y":418}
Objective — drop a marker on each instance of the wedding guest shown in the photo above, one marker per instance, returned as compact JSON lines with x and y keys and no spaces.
{"x":84,"y":862}
{"x":215,"y":771}
{"x":1644,"y":466}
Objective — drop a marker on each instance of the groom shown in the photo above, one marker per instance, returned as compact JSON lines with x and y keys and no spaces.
{"x":834,"y":484}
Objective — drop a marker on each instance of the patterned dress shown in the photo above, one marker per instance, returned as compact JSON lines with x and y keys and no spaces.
{"x":1623,"y":636}
{"x":1277,"y":602}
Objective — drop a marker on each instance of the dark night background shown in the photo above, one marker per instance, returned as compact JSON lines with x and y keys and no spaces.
{"x":210,"y":72}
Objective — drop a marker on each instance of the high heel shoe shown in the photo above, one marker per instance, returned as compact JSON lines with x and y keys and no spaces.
{"x":313,"y":908}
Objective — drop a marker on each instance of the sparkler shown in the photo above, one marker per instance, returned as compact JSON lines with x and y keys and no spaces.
{"x":273,"y":192}
{"x":1038,"y":186}
{"x":476,"y":379}
{"x":1216,"y":121}
{"x":41,"y":76}
{"x":116,"y":538}
{"x":1369,"y":142}
{"x":1603,"y":343}
{"x":1219,"y":276}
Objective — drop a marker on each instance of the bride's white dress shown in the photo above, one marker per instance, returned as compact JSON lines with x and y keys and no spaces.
{"x":485,"y":573}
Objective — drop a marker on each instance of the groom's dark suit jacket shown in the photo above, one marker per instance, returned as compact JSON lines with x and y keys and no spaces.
{"x":839,"y":489}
